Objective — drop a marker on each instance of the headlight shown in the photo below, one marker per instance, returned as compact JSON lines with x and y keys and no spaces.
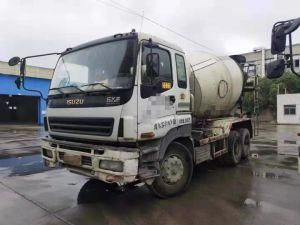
{"x":116,"y":166}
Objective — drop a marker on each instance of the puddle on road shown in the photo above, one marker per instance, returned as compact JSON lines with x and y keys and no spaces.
{"x":265,"y":142}
{"x":265,"y":151}
{"x":251,"y":203}
{"x":282,"y":152}
{"x":23,"y":165}
{"x":289,"y":161}
{"x":270,"y":175}
{"x":264,"y":206}
{"x":269,"y":208}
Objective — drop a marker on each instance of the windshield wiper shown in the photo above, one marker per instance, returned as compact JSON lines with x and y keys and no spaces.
{"x":60,"y":89}
{"x":74,"y":86}
{"x":96,"y":83}
{"x":57,"y":89}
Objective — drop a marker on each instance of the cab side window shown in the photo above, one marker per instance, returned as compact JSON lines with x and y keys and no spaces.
{"x":181,"y":71}
{"x":165,"y":68}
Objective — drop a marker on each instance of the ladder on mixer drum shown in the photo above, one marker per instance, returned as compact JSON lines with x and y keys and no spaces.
{"x":252,"y":86}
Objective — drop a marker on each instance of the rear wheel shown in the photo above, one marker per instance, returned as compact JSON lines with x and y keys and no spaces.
{"x":245,"y":142}
{"x":176,"y":171}
{"x":233,"y":157}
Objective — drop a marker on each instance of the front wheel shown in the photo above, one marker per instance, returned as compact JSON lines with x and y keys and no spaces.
{"x":94,"y":190}
{"x":176,"y":171}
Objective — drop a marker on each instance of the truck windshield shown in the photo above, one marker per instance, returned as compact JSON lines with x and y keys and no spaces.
{"x":101,"y":67}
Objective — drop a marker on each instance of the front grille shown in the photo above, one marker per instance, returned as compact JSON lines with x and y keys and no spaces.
{"x":79,"y":149}
{"x":85,"y":160}
{"x":85,"y":126}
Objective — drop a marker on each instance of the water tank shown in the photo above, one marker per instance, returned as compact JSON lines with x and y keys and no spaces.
{"x":216,"y":84}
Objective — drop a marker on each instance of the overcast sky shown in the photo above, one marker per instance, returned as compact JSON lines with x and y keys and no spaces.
{"x":227,"y":26}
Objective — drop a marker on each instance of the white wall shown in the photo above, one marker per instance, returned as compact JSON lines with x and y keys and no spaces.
{"x":287,"y":139}
{"x":288,"y":99}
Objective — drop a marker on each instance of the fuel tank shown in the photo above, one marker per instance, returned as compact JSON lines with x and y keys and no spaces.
{"x":216,"y":84}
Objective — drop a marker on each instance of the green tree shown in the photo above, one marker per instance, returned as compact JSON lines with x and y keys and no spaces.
{"x":268,"y":89}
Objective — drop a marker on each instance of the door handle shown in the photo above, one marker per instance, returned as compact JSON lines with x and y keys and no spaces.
{"x":172,"y":99}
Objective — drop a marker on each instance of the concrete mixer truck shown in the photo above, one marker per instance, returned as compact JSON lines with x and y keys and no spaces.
{"x":132,"y":108}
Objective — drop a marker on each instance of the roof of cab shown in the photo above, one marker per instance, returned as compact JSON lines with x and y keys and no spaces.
{"x":121,"y":36}
{"x":145,"y":36}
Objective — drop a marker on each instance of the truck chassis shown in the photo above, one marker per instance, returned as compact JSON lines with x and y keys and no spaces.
{"x":225,"y":139}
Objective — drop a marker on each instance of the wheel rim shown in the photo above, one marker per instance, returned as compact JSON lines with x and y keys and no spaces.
{"x":172,"y":169}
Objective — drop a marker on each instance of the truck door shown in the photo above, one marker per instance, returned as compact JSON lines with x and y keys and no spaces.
{"x":157,"y":98}
{"x":183,"y":92}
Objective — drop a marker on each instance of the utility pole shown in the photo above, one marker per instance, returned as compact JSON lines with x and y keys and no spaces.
{"x":142,"y":21}
{"x":262,"y":50}
{"x":263,"y":62}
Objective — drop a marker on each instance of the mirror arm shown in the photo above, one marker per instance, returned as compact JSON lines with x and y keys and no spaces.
{"x":23,"y":69}
{"x":37,"y":91}
{"x":41,"y":55}
{"x":22,"y":76}
{"x":32,"y":90}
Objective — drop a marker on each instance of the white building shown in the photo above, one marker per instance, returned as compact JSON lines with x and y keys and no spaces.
{"x":288,"y":108}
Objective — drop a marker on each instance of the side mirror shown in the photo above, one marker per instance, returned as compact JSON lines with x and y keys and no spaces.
{"x":18,"y":82}
{"x":278,"y":39}
{"x":14,"y":61}
{"x":22,"y":67}
{"x":275,"y":69}
{"x":153,"y":64}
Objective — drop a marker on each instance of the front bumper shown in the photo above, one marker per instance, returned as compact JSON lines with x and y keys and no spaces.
{"x":85,"y":159}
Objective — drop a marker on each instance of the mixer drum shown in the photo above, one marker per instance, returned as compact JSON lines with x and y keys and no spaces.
{"x":216,"y":83}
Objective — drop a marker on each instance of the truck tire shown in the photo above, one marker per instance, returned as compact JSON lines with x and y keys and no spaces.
{"x":176,"y":169}
{"x":234,"y":155}
{"x":245,"y":142}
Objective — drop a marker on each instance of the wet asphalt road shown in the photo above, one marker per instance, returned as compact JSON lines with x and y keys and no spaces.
{"x":263,"y":190}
